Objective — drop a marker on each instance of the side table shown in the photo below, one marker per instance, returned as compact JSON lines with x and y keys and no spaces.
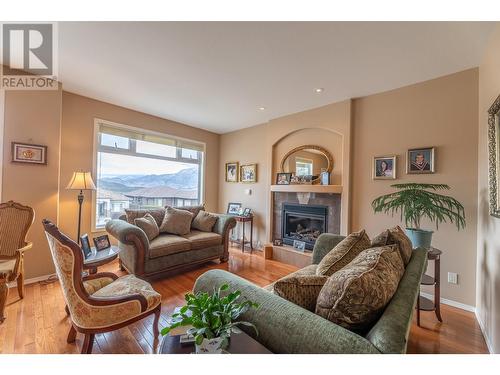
{"x":425,"y":304}
{"x":243,"y":220}
{"x":99,"y":258}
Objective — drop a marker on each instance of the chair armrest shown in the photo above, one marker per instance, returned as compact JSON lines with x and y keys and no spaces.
{"x":99,"y":275}
{"x":224,"y":224}
{"x":127,"y":233}
{"x":110,"y":301}
{"x":323,"y":245}
{"x":283,"y":326}
{"x":27,"y":246}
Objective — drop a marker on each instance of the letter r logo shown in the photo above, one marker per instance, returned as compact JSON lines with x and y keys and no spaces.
{"x":28,"y":48}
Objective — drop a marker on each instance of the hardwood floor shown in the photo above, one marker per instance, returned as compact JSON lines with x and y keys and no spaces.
{"x":38,"y":323}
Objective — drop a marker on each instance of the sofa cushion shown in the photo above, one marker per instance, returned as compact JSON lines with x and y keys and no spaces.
{"x":356,"y":296}
{"x":176,"y":221}
{"x":199,"y":239}
{"x":193,"y":209}
{"x":204,"y":221}
{"x":301,"y":287}
{"x":130,"y":284}
{"x":93,"y":285}
{"x":148,"y":225}
{"x":167,"y":244}
{"x":342,"y":254}
{"x":395,"y":236}
{"x":157,"y":213}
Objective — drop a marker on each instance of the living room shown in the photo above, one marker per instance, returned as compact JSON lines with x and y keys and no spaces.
{"x":299,"y":187}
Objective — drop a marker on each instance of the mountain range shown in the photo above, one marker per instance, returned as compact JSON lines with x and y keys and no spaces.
{"x":184,"y":179}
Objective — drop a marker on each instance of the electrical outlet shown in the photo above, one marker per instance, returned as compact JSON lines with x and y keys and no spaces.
{"x":452,"y":278}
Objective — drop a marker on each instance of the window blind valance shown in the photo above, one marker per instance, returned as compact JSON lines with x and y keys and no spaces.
{"x":148,"y":137}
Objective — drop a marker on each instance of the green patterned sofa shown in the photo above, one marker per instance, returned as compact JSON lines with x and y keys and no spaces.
{"x":287,"y":328}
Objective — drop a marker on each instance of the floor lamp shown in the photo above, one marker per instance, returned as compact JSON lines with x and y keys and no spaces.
{"x":80,"y":181}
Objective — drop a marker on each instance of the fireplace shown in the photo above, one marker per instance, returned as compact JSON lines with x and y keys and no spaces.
{"x":303,"y":223}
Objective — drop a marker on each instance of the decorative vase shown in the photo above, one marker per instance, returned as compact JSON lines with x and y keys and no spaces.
{"x":420,"y":237}
{"x":210,"y":346}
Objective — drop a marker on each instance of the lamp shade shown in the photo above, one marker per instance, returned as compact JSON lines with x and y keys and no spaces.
{"x":81,"y":181}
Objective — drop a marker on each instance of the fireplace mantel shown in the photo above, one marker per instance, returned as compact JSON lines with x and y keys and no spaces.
{"x":328,"y":189}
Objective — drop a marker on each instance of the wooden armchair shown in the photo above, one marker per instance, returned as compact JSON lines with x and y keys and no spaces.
{"x":15,"y":221}
{"x":101,"y":302}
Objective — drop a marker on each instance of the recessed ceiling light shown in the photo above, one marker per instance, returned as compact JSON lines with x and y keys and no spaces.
{"x":262,"y":108}
{"x":319,"y":90}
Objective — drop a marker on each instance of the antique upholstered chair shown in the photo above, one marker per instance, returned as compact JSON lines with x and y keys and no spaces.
{"x":101,"y":302}
{"x":15,"y":221}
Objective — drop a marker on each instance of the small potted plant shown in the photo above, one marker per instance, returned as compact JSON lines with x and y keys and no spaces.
{"x":212,"y":318}
{"x":416,"y":201}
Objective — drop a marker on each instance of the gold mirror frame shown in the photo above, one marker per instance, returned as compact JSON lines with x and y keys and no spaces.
{"x":493,"y":149}
{"x":328,"y":156}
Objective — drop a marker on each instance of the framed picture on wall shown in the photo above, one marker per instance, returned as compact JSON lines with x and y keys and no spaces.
{"x":384,"y":168}
{"x":232,"y":171}
{"x":420,"y":160}
{"x":28,"y":153}
{"x":248,"y":173}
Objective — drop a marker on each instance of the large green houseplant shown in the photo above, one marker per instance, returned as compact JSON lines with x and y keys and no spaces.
{"x":416,"y":201}
{"x":211,"y":318}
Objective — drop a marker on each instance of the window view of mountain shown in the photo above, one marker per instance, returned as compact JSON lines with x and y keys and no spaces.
{"x":118,"y":192}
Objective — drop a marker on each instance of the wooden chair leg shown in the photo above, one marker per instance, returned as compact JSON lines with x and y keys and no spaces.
{"x":20,"y":281}
{"x":71,"y":335}
{"x":156,"y":330}
{"x":4,"y":293}
{"x":88,"y":343}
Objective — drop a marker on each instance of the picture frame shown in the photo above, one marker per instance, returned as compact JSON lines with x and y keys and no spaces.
{"x":420,"y":160}
{"x":248,"y":173}
{"x":325,"y":178}
{"x":233,"y":208}
{"x":247,"y":212}
{"x":384,"y":167}
{"x":278,"y":242}
{"x":299,"y":245}
{"x":29,"y":153}
{"x":101,"y":242}
{"x":232,"y":171}
{"x":85,"y":245}
{"x":283,"y":178}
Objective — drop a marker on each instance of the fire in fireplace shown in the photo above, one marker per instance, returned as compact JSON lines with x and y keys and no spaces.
{"x":303,"y":223}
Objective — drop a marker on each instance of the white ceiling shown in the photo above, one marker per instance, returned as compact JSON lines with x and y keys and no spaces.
{"x":216,"y":75}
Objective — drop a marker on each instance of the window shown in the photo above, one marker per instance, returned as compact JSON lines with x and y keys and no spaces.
{"x":303,"y":167}
{"x":138,"y":169}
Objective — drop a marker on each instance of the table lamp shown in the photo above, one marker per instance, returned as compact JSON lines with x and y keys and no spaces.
{"x":80,"y":181}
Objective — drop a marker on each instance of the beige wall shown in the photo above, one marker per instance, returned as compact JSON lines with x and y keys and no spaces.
{"x":78,"y":114}
{"x":65,"y":123}
{"x":328,"y":126}
{"x":33,"y":117}
{"x":246,"y":146}
{"x":488,"y":228}
{"x":440,"y":113}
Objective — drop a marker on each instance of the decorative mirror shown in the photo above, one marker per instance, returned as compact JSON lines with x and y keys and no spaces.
{"x":494,"y":156}
{"x":307,"y":160}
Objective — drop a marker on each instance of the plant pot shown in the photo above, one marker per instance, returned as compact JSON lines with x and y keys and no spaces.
{"x":420,"y":237}
{"x":210,"y":346}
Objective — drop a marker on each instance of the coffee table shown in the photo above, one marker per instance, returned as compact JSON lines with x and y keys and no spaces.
{"x":239,"y":343}
{"x":99,"y":258}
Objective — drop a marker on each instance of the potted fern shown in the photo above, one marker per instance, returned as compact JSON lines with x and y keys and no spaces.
{"x":211,"y":318}
{"x":415,"y":201}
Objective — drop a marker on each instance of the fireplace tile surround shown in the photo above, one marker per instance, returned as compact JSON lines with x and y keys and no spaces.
{"x":331,"y":201}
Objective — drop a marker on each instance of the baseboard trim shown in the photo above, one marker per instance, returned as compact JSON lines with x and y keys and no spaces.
{"x":483,"y":331}
{"x":33,"y":280}
{"x":450,"y":302}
